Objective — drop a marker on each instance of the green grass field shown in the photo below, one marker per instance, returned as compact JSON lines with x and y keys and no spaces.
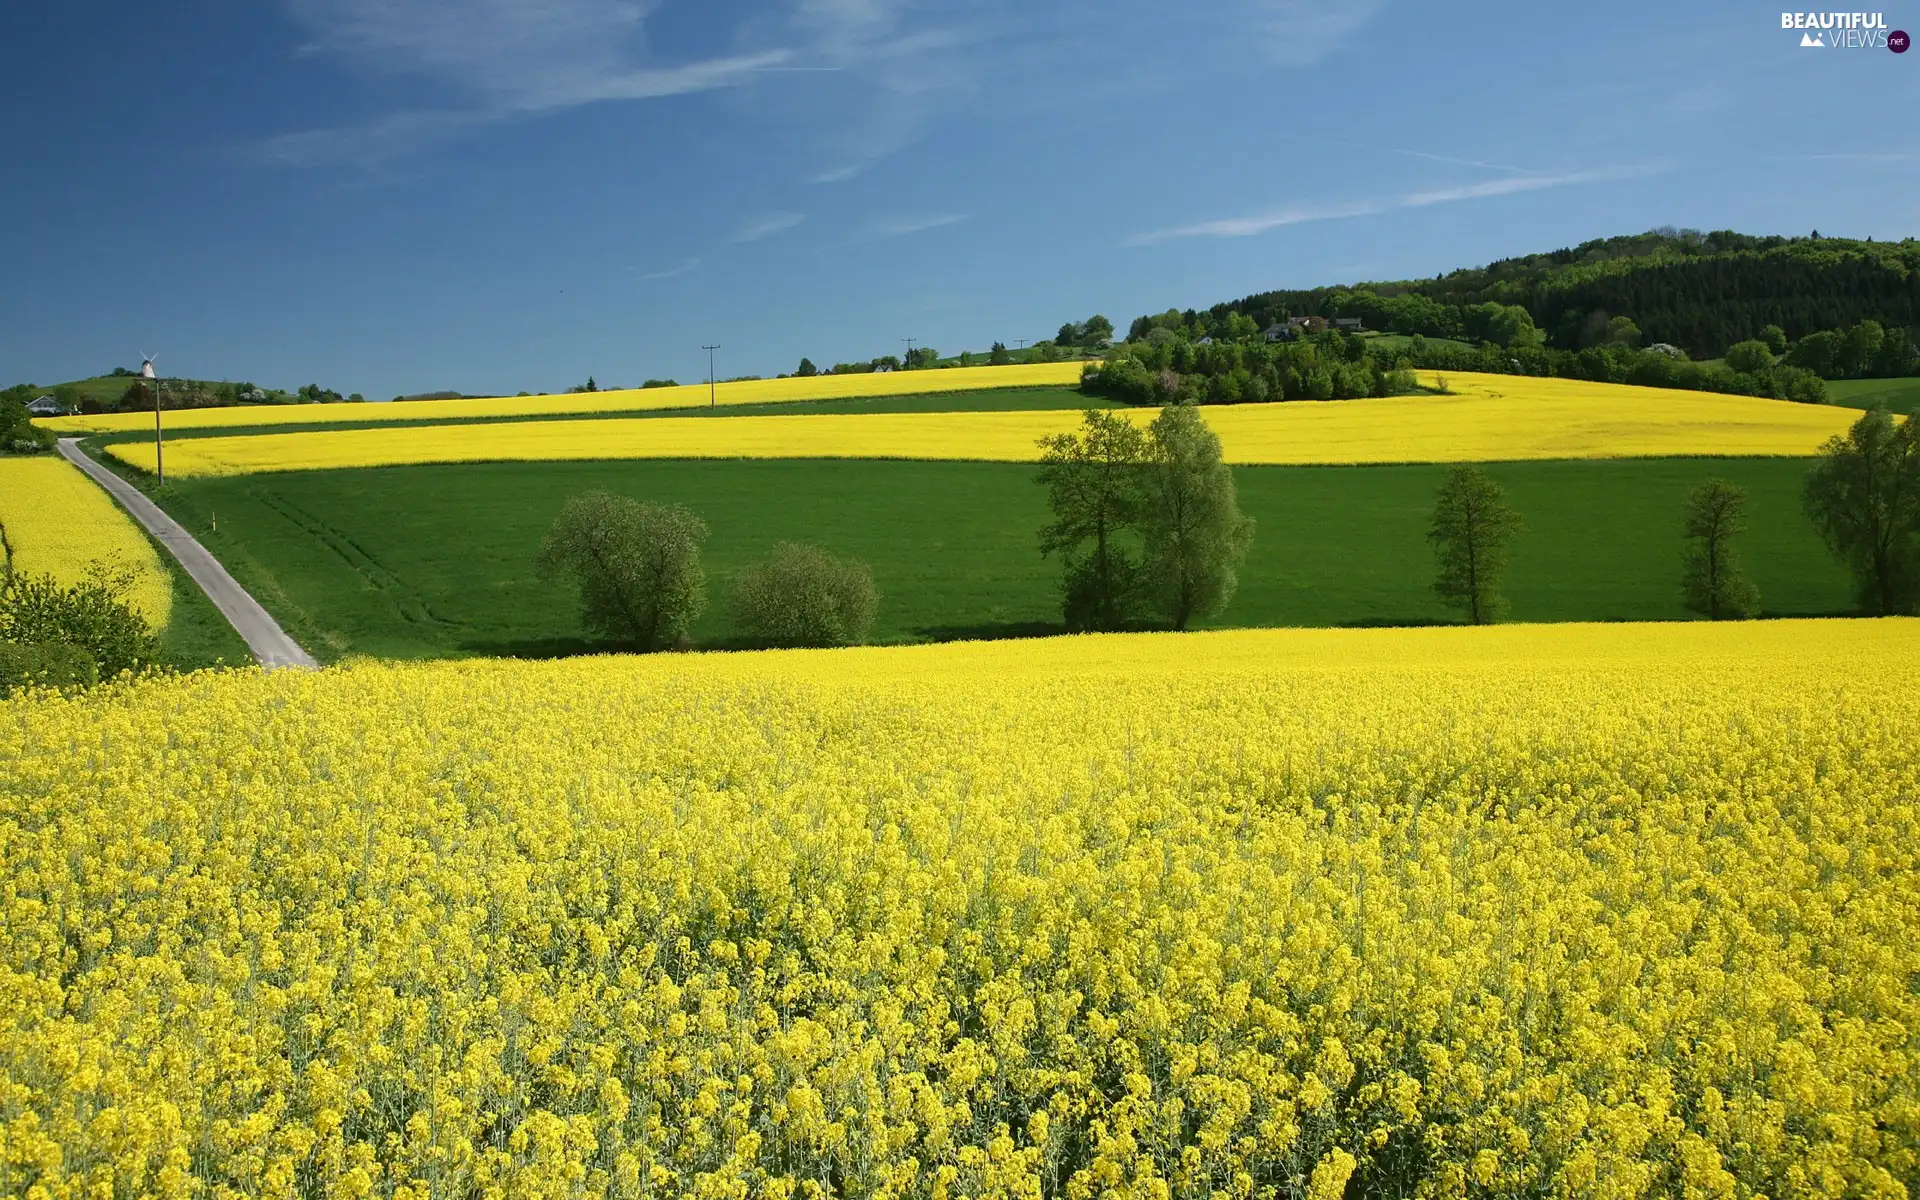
{"x":436,"y":561}
{"x":196,"y":634}
{"x":1898,"y":395}
{"x":984,"y":400}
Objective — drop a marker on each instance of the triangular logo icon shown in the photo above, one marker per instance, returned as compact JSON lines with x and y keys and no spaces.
{"x":1811,"y":39}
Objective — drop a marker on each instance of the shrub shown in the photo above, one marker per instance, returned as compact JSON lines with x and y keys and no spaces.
{"x":91,"y":615}
{"x":803,"y":596}
{"x":47,"y":664}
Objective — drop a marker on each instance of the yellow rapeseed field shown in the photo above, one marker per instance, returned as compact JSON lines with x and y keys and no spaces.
{"x":59,"y":523}
{"x":745,"y":391}
{"x":1581,"y":911}
{"x":1532,"y":419}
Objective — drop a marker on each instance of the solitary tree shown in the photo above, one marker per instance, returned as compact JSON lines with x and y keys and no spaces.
{"x":998,"y":356}
{"x":807,"y":370}
{"x":1864,"y":496}
{"x":1194,"y":531}
{"x":1094,"y":481}
{"x":1472,"y":529}
{"x":637,"y":565}
{"x":1711,"y":581}
{"x":803,"y":596}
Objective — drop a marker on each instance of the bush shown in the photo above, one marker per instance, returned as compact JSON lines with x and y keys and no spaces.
{"x":803,"y":596}
{"x":90,"y":616}
{"x":1749,"y":357}
{"x":51,"y":664}
{"x":18,"y":433}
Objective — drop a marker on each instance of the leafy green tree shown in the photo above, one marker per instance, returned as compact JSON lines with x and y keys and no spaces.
{"x":1819,"y":352}
{"x":1897,"y":357}
{"x":637,"y":566}
{"x":1069,"y":335}
{"x":803,"y":596}
{"x":1860,"y":346}
{"x":18,"y":433}
{"x":1095,"y":483}
{"x":1622,"y":331}
{"x":998,"y":356}
{"x":1749,"y":356}
{"x":1864,"y":496}
{"x":1472,"y":531}
{"x":1797,"y":384}
{"x":1194,"y":532}
{"x":1774,"y":338}
{"x":806,"y":369}
{"x":1712,"y":582}
{"x":1096,"y":333}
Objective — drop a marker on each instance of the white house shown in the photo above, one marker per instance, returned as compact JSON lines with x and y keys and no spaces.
{"x":47,"y":406}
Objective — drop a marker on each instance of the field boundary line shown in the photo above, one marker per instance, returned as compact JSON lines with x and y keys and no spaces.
{"x":268,"y":643}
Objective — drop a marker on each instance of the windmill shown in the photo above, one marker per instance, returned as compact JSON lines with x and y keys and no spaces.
{"x":146,"y":372}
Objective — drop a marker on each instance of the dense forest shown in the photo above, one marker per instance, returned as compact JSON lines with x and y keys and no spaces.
{"x":1701,"y":292}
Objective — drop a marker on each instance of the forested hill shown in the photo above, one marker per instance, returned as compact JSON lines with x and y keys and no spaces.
{"x":1699,"y":291}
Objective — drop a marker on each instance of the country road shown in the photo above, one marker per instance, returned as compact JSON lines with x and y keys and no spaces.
{"x":270,"y":645}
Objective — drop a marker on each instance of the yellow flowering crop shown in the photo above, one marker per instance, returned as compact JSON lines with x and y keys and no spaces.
{"x":1594,"y":911}
{"x":1560,"y":420}
{"x":745,"y":391}
{"x":58,"y":522}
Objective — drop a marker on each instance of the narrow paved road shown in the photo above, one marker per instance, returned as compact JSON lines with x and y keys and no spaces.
{"x":269,"y":643}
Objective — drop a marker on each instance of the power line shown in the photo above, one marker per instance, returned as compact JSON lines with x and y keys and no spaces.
{"x":713,"y":398}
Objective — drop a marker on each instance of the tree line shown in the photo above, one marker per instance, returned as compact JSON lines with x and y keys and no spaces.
{"x":1701,"y":291}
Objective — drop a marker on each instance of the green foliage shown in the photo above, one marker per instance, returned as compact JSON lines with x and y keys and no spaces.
{"x":1702,"y":291}
{"x":998,"y":356}
{"x":18,"y":433}
{"x":1473,"y":528}
{"x":1774,"y":339}
{"x":1712,"y":581}
{"x":658,"y":383}
{"x":1194,"y":532}
{"x":1095,"y":488}
{"x":45,"y":664}
{"x":803,"y":596}
{"x":1864,"y":497}
{"x":1749,"y":356}
{"x":806,"y":369}
{"x":637,"y":566}
{"x":91,"y":615}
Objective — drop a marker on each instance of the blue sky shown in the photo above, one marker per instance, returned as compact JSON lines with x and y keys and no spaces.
{"x":494,"y":195}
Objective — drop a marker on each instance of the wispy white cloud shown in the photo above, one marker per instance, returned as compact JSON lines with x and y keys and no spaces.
{"x":838,"y":174}
{"x":501,"y":59}
{"x":767,"y":226}
{"x":679,"y":268}
{"x":1302,"y":32}
{"x":1263,"y":222}
{"x":887,"y":228}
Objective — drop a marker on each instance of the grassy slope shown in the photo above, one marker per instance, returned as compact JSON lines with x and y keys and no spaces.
{"x":196,"y":634}
{"x":432,"y":561}
{"x":1899,"y":395}
{"x":987,"y":400}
